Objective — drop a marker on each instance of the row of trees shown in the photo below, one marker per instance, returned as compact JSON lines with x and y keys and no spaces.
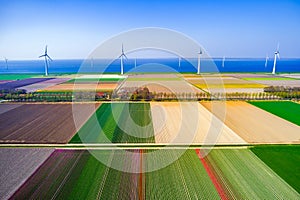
{"x":284,"y":92}
{"x":144,"y":94}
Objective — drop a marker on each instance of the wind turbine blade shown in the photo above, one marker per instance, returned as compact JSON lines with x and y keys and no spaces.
{"x":42,"y":56}
{"x":49,"y":57}
{"x":278,"y":56}
{"x":46,"y":50}
{"x":125,"y":56}
{"x":277,"y":46}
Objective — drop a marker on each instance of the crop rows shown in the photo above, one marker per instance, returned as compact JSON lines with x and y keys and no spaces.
{"x":21,"y":83}
{"x":109,"y":121}
{"x":247,"y":177}
{"x":40,"y":123}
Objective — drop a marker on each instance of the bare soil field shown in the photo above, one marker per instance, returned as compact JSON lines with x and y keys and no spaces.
{"x":7,"y":107}
{"x":42,"y":123}
{"x":101,"y":76}
{"x":82,"y":87}
{"x":45,"y":84}
{"x":147,"y":76}
{"x":245,"y":75}
{"x":290,"y":83}
{"x":255,"y":125}
{"x":158,"y":86}
{"x":17,"y":165}
{"x":223,"y":82}
{"x":189,"y":122}
{"x":296,"y":76}
{"x":233,"y":90}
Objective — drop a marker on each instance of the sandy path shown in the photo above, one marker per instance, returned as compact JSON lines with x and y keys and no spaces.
{"x":189,"y":122}
{"x":255,"y":125}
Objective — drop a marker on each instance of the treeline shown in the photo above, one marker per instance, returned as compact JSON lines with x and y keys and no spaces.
{"x":284,"y":92}
{"x":143,"y":94}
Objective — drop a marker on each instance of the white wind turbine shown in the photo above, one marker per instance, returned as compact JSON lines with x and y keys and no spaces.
{"x":6,"y":63}
{"x":223,"y":61}
{"x":267,"y":59}
{"x":179,"y":62}
{"x":276,"y":55}
{"x":121,"y":57}
{"x":46,"y":60}
{"x":199,"y":57}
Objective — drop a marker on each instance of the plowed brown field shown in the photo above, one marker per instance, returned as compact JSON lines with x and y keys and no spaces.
{"x":42,"y":123}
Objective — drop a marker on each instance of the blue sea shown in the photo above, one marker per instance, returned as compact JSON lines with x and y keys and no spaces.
{"x":150,"y":65}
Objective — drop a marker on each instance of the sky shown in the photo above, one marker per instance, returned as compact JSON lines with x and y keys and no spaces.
{"x":73,"y":29}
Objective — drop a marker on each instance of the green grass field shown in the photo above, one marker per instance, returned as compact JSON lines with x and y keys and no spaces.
{"x":245,"y":176}
{"x":118,"y":123}
{"x":93,"y":80}
{"x":18,"y":76}
{"x":285,"y":109}
{"x":282,"y":159}
{"x":268,"y":79}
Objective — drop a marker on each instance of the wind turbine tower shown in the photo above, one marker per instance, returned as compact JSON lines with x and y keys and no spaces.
{"x":46,"y":56}
{"x":121,"y":57}
{"x":267,"y":58}
{"x":6,"y":63}
{"x":276,"y":55}
{"x":199,"y":57}
{"x":223,"y":61}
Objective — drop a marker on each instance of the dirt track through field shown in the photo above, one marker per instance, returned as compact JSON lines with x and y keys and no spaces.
{"x":255,"y":125}
{"x":42,"y":123}
{"x":199,"y":126}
